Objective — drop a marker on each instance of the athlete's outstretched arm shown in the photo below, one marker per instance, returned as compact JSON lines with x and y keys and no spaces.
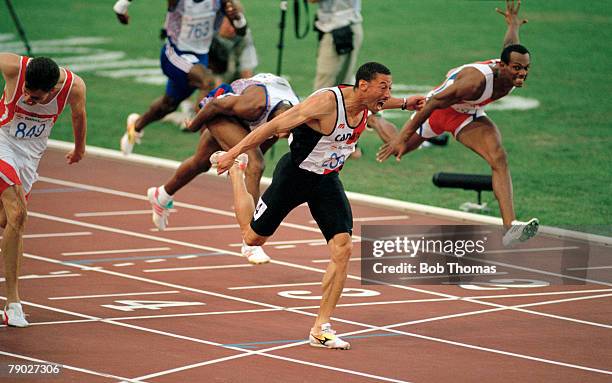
{"x":406,"y":103}
{"x":513,"y":21}
{"x":77,"y":101}
{"x":311,"y":111}
{"x":246,"y":106}
{"x":386,"y":130}
{"x":467,"y":86}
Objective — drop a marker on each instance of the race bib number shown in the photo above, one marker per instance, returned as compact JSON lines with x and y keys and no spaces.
{"x":259,"y":210}
{"x":334,"y":160}
{"x":197,"y":31}
{"x":28,"y":128}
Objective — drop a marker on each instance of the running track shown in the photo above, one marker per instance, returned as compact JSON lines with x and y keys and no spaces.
{"x":111,"y":300}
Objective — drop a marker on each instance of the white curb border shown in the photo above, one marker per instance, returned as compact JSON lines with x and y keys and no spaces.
{"x":357,"y":197}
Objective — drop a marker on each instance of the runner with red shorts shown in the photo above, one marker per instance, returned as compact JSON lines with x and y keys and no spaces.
{"x":457,"y":105}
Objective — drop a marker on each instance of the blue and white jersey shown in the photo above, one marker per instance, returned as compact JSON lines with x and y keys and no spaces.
{"x":191,"y":24}
{"x":278,"y":91}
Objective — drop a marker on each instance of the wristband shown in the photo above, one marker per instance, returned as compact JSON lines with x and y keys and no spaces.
{"x":404,"y":103}
{"x":121,"y":6}
{"x":239,"y":22}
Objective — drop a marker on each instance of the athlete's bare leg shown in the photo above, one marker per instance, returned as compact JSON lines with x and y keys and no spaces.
{"x":244,"y":207}
{"x":2,"y":216}
{"x":203,"y":79}
{"x":15,"y":217}
{"x":194,"y":165}
{"x":483,"y":137}
{"x":340,"y":247}
{"x":199,"y":77}
{"x":157,"y":110}
{"x":229,"y":132}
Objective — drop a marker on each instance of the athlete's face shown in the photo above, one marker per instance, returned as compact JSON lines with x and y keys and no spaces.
{"x":518,"y":68}
{"x":33,"y":97}
{"x":378,"y":91}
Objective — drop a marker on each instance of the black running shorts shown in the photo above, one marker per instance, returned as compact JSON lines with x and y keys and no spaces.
{"x":291,"y":186}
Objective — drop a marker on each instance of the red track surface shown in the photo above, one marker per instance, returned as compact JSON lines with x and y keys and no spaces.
{"x":220,"y":334}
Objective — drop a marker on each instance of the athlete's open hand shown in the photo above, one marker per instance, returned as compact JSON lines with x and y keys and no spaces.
{"x":511,"y":13}
{"x":396,"y":147}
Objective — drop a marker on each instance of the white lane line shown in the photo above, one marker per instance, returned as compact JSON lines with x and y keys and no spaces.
{"x":377,"y":303}
{"x":129,"y":233}
{"x":36,"y":276}
{"x":294,"y":242}
{"x":538,"y":294}
{"x":63,"y":365}
{"x":124,"y":264}
{"x":177,"y":204}
{"x":187,"y":257}
{"x":589,"y":268}
{"x":114,"y":295}
{"x":381,"y":218}
{"x":118,"y":251}
{"x":280,"y":247}
{"x":205,"y":227}
{"x":369,"y":329}
{"x":155,"y":260}
{"x":390,"y":328}
{"x":197,"y":340}
{"x":196,"y":268}
{"x":209,"y":248}
{"x":410,"y":288}
{"x":372,"y":219}
{"x":159,"y":316}
{"x":272,"y":286}
{"x":115,"y":213}
{"x":59,"y":272}
{"x":287,"y":359}
{"x":520,"y":308}
{"x":51,"y":235}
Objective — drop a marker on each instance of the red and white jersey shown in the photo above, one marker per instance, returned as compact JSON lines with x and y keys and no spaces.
{"x":191,"y":24}
{"x":323,"y":154}
{"x":471,"y":106}
{"x":24,"y":127}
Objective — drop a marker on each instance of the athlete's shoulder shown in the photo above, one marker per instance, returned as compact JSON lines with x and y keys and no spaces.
{"x":9,"y":64}
{"x":325,"y":98}
{"x":78,"y":89}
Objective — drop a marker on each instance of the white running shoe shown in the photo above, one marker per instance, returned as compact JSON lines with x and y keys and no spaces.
{"x":242,"y":160}
{"x":255,"y":254}
{"x":13,"y":315}
{"x":328,"y":339}
{"x":521,"y":232}
{"x":160,"y":212}
{"x":131,"y":136}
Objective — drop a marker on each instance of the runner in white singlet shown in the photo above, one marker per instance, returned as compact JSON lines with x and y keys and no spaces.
{"x":36,"y":92}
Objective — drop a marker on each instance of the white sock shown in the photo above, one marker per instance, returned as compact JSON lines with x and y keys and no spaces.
{"x":162,"y":196}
